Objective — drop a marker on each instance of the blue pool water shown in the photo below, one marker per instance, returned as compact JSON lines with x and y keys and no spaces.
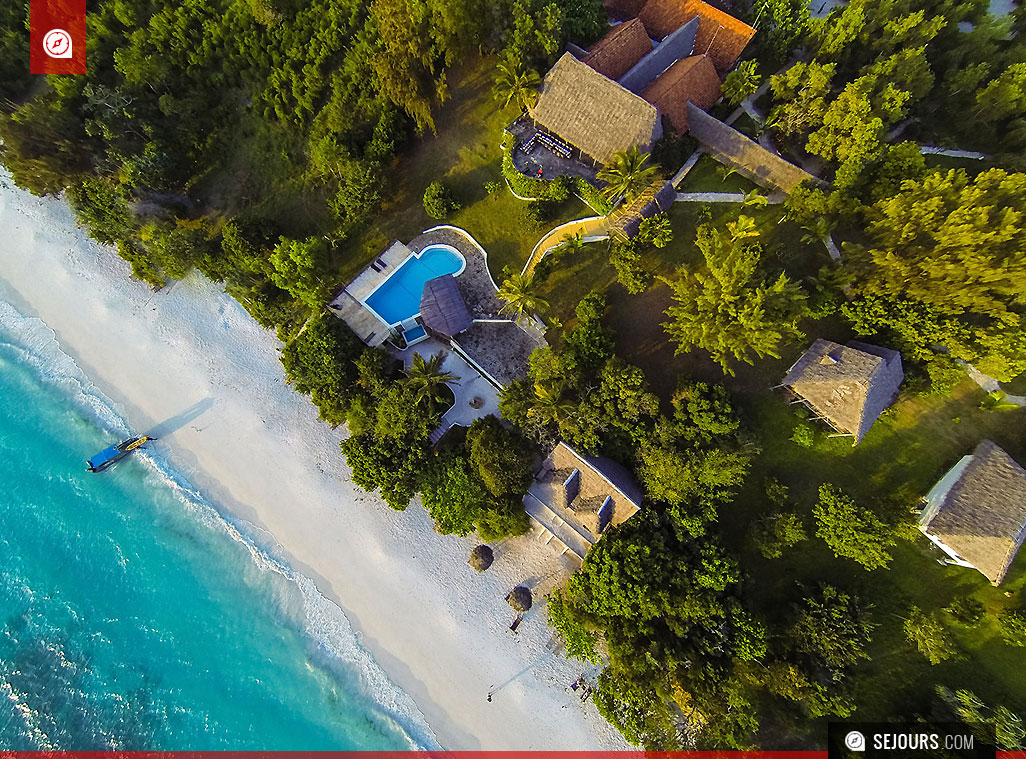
{"x":398,"y":297}
{"x":134,"y":616}
{"x":414,"y":334}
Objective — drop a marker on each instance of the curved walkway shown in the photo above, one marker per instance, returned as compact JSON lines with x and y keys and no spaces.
{"x":591,"y":229}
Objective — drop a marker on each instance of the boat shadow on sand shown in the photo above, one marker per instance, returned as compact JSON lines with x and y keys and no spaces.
{"x":176,"y":422}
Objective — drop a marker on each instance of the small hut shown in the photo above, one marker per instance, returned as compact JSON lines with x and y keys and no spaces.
{"x":481,"y":558}
{"x":520,"y":599}
{"x":976,"y":514}
{"x":848,"y":386}
{"x":442,"y":307}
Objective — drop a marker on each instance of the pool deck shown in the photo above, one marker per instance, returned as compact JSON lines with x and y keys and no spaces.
{"x":475,"y":282}
{"x":369,"y":278}
{"x":470,"y":385}
{"x":494,"y":342}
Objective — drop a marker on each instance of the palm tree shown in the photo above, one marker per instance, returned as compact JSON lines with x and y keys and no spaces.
{"x":521,"y":298}
{"x":426,"y":378}
{"x":818,"y":230}
{"x":744,"y":227}
{"x":572,"y":242}
{"x":725,"y":171}
{"x":549,"y":406}
{"x":626,"y":174}
{"x":741,"y":82}
{"x":515,"y":83}
{"x":755,"y":199}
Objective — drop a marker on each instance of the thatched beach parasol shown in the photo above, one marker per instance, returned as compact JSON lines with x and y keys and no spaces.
{"x":481,"y":558}
{"x":520,"y":599}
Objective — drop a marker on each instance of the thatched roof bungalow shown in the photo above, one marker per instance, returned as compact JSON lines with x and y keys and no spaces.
{"x":622,"y":47}
{"x":849,"y":386}
{"x":720,"y":36}
{"x":691,"y":80}
{"x":592,"y":113}
{"x":976,"y":514}
{"x":589,"y":492}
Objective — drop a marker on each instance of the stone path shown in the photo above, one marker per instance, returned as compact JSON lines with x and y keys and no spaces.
{"x":934,"y":150}
{"x":991,"y":385}
{"x":710,"y":197}
{"x":688,"y":166}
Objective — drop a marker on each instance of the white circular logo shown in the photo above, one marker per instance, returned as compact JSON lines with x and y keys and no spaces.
{"x":57,"y":43}
{"x":855,"y":740}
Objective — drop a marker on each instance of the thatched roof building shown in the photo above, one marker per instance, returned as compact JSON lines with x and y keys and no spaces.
{"x":752,"y":160}
{"x":848,"y":386}
{"x":977,"y":512}
{"x":593,"y":113}
{"x":691,"y":80}
{"x":678,"y":45}
{"x":442,"y":307}
{"x":720,"y":36}
{"x":591,"y":493}
{"x":622,"y":47}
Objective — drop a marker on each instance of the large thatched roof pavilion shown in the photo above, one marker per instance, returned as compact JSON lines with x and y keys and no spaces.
{"x":691,"y":79}
{"x":976,"y":514}
{"x":622,"y":47}
{"x":720,"y":36}
{"x":849,"y":386}
{"x":593,"y":113}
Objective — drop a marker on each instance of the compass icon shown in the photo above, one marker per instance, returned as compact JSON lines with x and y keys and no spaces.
{"x":57,"y":43}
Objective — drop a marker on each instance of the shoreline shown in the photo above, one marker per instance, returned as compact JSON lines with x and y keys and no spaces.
{"x":260,"y":454}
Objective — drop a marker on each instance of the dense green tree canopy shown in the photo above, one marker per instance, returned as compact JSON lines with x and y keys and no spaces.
{"x":727,"y":307}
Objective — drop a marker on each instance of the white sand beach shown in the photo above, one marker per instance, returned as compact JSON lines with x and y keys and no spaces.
{"x":438,"y":629}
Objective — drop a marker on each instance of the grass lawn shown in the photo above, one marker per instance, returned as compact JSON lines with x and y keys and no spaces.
{"x":705,"y":177}
{"x":465,"y":154}
{"x":905,"y":452}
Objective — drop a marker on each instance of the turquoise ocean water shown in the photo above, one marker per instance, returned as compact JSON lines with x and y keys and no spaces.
{"x":133,"y":616}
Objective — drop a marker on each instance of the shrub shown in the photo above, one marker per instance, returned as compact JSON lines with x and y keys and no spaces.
{"x":804,"y":435}
{"x":493,"y":188}
{"x":778,"y":532}
{"x":592,"y":196}
{"x":503,"y":518}
{"x":438,"y":201}
{"x":944,"y":373}
{"x":928,"y":635}
{"x":965,"y":610}
{"x":1013,"y":628}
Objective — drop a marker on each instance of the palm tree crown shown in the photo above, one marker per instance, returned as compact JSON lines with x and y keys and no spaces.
{"x":626,"y":174}
{"x":428,"y":377}
{"x":515,"y":83}
{"x":521,"y":296}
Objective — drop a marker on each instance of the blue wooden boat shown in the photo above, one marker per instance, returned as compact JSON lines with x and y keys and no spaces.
{"x":112,"y":455}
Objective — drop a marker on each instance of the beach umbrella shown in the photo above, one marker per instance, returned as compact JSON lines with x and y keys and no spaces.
{"x":520,"y":599}
{"x":481,"y":558}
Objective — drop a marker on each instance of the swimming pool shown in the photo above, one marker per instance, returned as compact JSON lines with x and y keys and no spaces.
{"x":398,"y":297}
